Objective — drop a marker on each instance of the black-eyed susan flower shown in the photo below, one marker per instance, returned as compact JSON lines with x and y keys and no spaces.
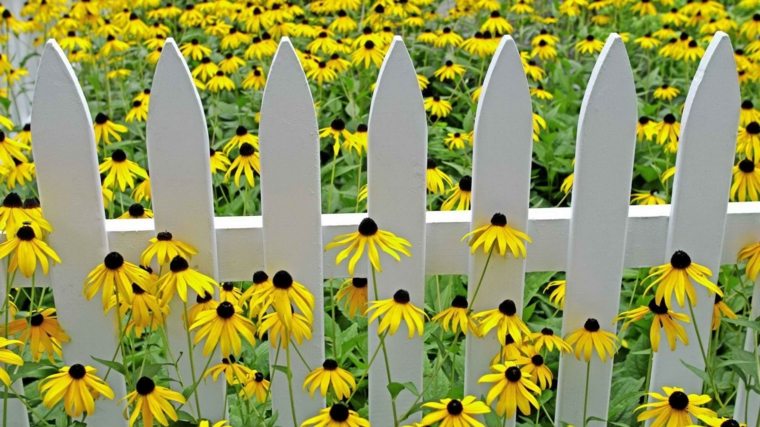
{"x":322,"y":74}
{"x":258,"y":295}
{"x":255,"y":79}
{"x":646,"y":129}
{"x":693,"y":51}
{"x":202,"y":303}
{"x":138,"y":112}
{"x":114,"y":275}
{"x":8,"y":357}
{"x":286,"y":292}
{"x":748,"y":139}
{"x":676,"y":278}
{"x":179,"y":277}
{"x":353,"y":293}
{"x":500,"y":236}
{"x":78,"y":386}
{"x":647,"y":42}
{"x":223,"y":325}
{"x":218,"y":162}
{"x":533,"y":363}
{"x":591,"y":337}
{"x":247,"y":162}
{"x":496,"y":24}
{"x":720,"y":310}
{"x":229,"y":292}
{"x":455,"y":412}
{"x":164,"y":248}
{"x":510,"y":349}
{"x":457,"y":318}
{"x":121,"y":172}
{"x":328,"y":376}
{"x":280,"y":334}
{"x":449,"y":71}
{"x":460,"y":195}
{"x":663,"y":319}
{"x":337,"y":415}
{"x":44,"y":335}
{"x":205,"y":70}
{"x":668,"y":130}
{"x":675,"y":408}
{"x":146,"y":310}
{"x":512,"y":389}
{"x":256,"y":386}
{"x":666,"y":92}
{"x":437,"y":106}
{"x":751,"y":254}
{"x":647,"y":198}
{"x":437,"y":180}
{"x":152,"y":402}
{"x":589,"y":45}
{"x":447,"y":37}
{"x":242,"y":136}
{"x":369,"y":53}
{"x":234,"y":372}
{"x":194,"y":50}
{"x":220,"y":82}
{"x":141,"y":191}
{"x":746,"y":182}
{"x":747,"y":114}
{"x":26,"y":250}
{"x":505,"y":319}
{"x":370,"y":237}
{"x":393,"y":310}
{"x":541,"y":93}
{"x":457,"y":140}
{"x":567,"y":184}
{"x":136,"y":211}
{"x":105,"y":129}
{"x":545,"y":338}
{"x":557,"y":293}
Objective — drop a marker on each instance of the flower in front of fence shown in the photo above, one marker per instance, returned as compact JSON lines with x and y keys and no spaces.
{"x":499,"y":235}
{"x":337,"y":415}
{"x":368,"y":236}
{"x":105,"y":129}
{"x":78,"y":386}
{"x":533,"y":363}
{"x":242,"y":136}
{"x":751,"y":254}
{"x":223,"y":325}
{"x":246,"y":163}
{"x":26,"y":250}
{"x":120,"y":171}
{"x":590,"y":338}
{"x":8,"y":357}
{"x":136,"y":211}
{"x":179,"y":277}
{"x":720,"y":310}
{"x":234,"y":372}
{"x":455,"y":412}
{"x":557,"y":294}
{"x":327,"y":376}
{"x":114,"y":276}
{"x":151,"y":401}
{"x":283,"y":294}
{"x":589,"y":45}
{"x":675,"y":408}
{"x":280,"y":333}
{"x":394,"y":310}
{"x":460,"y":195}
{"x":725,"y":422}
{"x":229,"y":292}
{"x":505,"y":319}
{"x":663,"y":319}
{"x":11,"y":150}
{"x":676,"y":278}
{"x":260,"y":285}
{"x":510,"y":349}
{"x":457,"y":317}
{"x":146,"y":310}
{"x":746,"y":182}
{"x":164,"y":248}
{"x":43,"y":334}
{"x":512,"y":388}
{"x":354,"y":295}
{"x":647,"y":198}
{"x":207,"y":423}
{"x":256,"y":386}
{"x":545,"y":338}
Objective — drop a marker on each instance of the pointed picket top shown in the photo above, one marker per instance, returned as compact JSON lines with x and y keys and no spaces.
{"x":503,"y":147}
{"x":700,"y":198}
{"x":64,"y":146}
{"x":604,"y":154}
{"x":291,"y":210}
{"x":178,"y":160}
{"x":397,"y":158}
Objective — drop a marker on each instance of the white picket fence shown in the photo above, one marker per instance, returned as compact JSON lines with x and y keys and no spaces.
{"x":592,"y":241}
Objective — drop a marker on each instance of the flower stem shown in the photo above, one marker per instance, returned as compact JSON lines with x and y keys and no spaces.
{"x":192,"y":359}
{"x":708,"y":370}
{"x":334,"y":323}
{"x":290,"y":387}
{"x":480,"y":281}
{"x":385,"y":353}
{"x":585,"y":392}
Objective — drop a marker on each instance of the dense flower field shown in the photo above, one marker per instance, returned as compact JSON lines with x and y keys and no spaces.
{"x":228,"y":44}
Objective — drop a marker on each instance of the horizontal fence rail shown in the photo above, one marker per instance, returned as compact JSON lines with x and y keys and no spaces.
{"x":593,"y":241}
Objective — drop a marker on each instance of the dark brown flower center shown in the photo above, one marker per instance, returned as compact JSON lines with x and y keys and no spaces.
{"x":537,"y":360}
{"x":680,"y":260}
{"x":228,"y":286}
{"x":246,"y":149}
{"x":591,"y":325}
{"x":465,"y":184}
{"x":401,"y":297}
{"x":178,"y":264}
{"x":459,"y":301}
{"x":547,"y":331}
{"x":164,"y":236}
{"x":339,"y":412}
{"x":669,"y":119}
{"x":513,"y":374}
{"x":145,"y":386}
{"x":101,"y":118}
{"x":77,"y":371}
{"x":330,"y":365}
{"x":203,"y":299}
{"x":36,"y":319}
{"x":508,"y":307}
{"x":747,"y":166}
{"x":282,"y":280}
{"x":113,"y":261}
{"x":119,"y":155}
{"x":753,"y":128}
{"x":258,"y":377}
{"x":454,"y":407}
{"x":225,"y":310}
{"x":678,"y":400}
{"x":137,"y":289}
{"x":368,"y":227}
{"x":25,"y":233}
{"x":12,"y":200}
{"x":359,"y":282}
{"x":660,"y":308}
{"x":259,"y":277}
{"x":136,"y":210}
{"x":499,"y":219}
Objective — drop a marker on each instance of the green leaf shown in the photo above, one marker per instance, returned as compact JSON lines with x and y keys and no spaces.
{"x":118,"y":367}
{"x":284,"y":369}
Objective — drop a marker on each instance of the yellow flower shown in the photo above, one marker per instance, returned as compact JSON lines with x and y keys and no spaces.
{"x":281,"y":334}
{"x":663,"y":318}
{"x":136,"y":211}
{"x":234,"y":372}
{"x":256,"y":386}
{"x":224,"y":325}
{"x":337,"y":415}
{"x":457,"y":140}
{"x":447,"y":37}
{"x":220,"y":82}
{"x":394,"y":310}
{"x":194,"y":50}
{"x":746,"y":183}
{"x":496,"y":24}
{"x":247,"y":162}
{"x":142,"y":191}
{"x":646,"y":129}
{"x":164,"y":249}
{"x":546,"y":339}
{"x":437,"y":180}
{"x":666,"y":93}
{"x":675,"y":408}
{"x":44,"y":334}
{"x":322,"y":73}
{"x":676,"y":277}
{"x":457,"y":317}
{"x":507,"y":320}
{"x":368,"y":54}
{"x":437,"y":106}
{"x":591,"y":337}
{"x":146,"y":310}
{"x":8,"y":357}
{"x":647,"y":41}
{"x":255,"y":79}
{"x":286,"y":292}
{"x":589,"y":45}
{"x":668,"y":130}
{"x":105,"y":129}
{"x":459,"y":196}
{"x":748,"y":139}
{"x":78,"y":386}
{"x":512,"y":387}
{"x":747,"y":114}
{"x":114,"y":275}
{"x":330,"y":374}
{"x":533,"y":363}
{"x":368,"y":236}
{"x":449,"y":71}
{"x":501,"y":234}
{"x":454,"y":412}
{"x":751,"y":253}
{"x":139,"y":112}
{"x":121,"y":171}
{"x":647,"y":198}
{"x":254,"y":296}
{"x":11,"y":150}
{"x":179,"y":277}
{"x":152,"y":402}
{"x":354,"y":294}
{"x":721,"y":309}
{"x":26,"y":250}
{"x":557,"y":295}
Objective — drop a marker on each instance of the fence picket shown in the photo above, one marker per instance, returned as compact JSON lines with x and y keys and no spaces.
{"x":64,"y":146}
{"x":178,"y":158}
{"x":291,"y":211}
{"x":700,"y":198}
{"x":748,"y":400}
{"x":500,"y":184}
{"x":397,"y":158}
{"x":603,"y":168}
